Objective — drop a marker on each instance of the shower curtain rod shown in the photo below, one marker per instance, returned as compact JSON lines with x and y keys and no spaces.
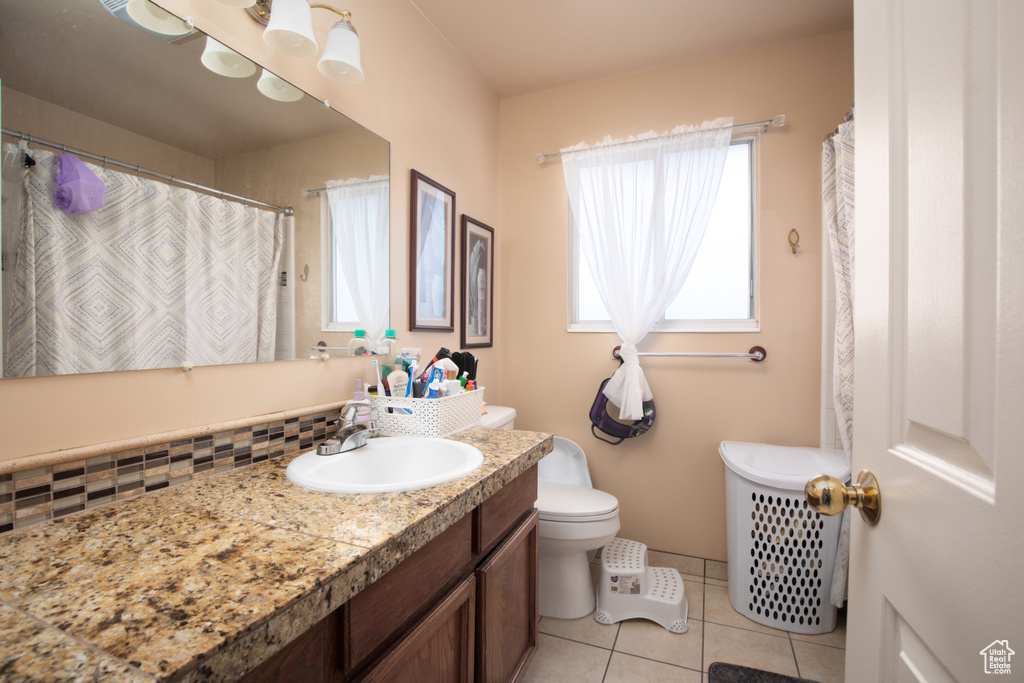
{"x":756,"y":354}
{"x":777,"y":122}
{"x":846,"y":119}
{"x":286,"y":210}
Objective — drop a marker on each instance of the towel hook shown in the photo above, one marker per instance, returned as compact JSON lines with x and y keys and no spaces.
{"x":794,"y":239}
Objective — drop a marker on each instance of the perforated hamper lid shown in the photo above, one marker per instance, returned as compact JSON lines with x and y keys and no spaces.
{"x":784,"y":467}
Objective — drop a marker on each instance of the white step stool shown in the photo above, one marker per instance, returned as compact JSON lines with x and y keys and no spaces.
{"x":630,"y":589}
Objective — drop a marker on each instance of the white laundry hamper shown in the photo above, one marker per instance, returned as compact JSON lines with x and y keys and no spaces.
{"x":781,"y":552}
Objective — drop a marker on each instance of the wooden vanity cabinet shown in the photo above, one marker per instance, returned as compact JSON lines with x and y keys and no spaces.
{"x":506,"y":612}
{"x":462,"y":608}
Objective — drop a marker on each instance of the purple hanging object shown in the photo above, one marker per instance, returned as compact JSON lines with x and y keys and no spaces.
{"x":78,"y":188}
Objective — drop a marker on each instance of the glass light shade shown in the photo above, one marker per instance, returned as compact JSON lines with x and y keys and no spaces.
{"x":149,"y":16}
{"x":290,"y":29}
{"x":277,"y":88}
{"x":222,"y":60}
{"x":340,"y":61}
{"x":238,"y":3}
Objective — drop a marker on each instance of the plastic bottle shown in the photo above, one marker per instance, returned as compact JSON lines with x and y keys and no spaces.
{"x":359,"y":345}
{"x":391,"y":349}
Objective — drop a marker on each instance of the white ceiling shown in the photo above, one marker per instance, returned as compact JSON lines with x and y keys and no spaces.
{"x":530,"y":45}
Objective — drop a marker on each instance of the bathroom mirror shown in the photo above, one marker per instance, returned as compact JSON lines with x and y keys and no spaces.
{"x":74,"y":73}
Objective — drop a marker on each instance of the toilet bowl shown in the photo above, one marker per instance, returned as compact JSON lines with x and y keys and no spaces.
{"x":575,"y":521}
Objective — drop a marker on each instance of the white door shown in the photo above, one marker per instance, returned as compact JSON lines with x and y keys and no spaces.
{"x":940,"y":340}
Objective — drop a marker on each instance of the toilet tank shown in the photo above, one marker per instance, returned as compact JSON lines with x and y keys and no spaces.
{"x":498,"y":417}
{"x":566,"y":464}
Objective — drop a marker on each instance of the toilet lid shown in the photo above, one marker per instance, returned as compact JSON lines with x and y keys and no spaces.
{"x":567,"y":503}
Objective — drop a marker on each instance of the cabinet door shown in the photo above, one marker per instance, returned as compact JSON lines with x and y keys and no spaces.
{"x":506,"y":629}
{"x":439,"y":649}
{"x":310,"y":657}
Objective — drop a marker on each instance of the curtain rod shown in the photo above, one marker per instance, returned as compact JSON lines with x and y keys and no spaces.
{"x":778,"y":122}
{"x":756,"y":354}
{"x":846,"y":119}
{"x":286,"y":210}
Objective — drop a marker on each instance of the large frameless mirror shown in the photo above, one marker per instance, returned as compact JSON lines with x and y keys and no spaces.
{"x":221,"y":231}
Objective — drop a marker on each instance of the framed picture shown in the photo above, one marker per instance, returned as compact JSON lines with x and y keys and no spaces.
{"x":431,"y":256}
{"x":477,"y":284}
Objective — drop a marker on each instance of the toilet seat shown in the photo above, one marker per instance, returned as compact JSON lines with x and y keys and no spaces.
{"x":577,"y":504}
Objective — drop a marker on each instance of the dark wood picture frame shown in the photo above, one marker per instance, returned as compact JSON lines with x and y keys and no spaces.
{"x":477,"y":284}
{"x":431,"y":256}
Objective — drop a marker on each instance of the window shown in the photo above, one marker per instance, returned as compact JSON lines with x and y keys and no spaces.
{"x":338,"y":311}
{"x":363,"y":206}
{"x":719,"y":294}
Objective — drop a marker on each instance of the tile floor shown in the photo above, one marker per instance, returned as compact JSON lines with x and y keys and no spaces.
{"x":584,"y":651}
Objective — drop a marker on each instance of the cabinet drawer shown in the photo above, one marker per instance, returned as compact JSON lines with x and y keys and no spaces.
{"x":310,"y":657}
{"x":439,"y":649}
{"x":496,"y":515}
{"x":393,"y":601}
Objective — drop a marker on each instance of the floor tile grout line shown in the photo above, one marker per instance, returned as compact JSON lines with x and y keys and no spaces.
{"x":608,"y":665}
{"x":792,"y":648}
{"x":703,"y":626}
{"x":578,"y":642}
{"x":656,"y":661}
{"x":811,"y":642}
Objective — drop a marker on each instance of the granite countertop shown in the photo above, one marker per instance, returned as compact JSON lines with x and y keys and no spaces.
{"x":204,"y":581}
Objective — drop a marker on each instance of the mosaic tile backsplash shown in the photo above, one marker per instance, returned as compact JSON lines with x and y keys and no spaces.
{"x":37,"y":495}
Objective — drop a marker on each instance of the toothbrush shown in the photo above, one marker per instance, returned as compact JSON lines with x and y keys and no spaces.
{"x":381,"y":389}
{"x":412,"y":374}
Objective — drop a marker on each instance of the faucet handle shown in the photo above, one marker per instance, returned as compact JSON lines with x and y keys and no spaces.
{"x":349,"y":411}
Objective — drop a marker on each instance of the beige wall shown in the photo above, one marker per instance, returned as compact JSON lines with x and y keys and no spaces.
{"x":41,"y":119}
{"x":670,"y":482}
{"x":440,"y":119}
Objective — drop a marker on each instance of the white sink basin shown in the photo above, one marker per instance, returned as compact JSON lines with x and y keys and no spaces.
{"x":397,"y":463}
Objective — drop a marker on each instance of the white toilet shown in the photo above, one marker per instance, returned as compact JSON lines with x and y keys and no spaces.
{"x":575,"y":521}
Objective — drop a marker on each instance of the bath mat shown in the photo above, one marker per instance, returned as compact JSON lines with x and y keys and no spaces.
{"x":732,"y":673}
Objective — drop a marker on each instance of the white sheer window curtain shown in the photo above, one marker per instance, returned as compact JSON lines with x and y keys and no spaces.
{"x":642,"y":207}
{"x":359,"y":248}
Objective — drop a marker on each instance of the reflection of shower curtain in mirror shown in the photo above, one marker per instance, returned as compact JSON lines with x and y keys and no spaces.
{"x":159,"y":276}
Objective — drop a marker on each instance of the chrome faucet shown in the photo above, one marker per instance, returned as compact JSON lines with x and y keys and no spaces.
{"x":351,"y":434}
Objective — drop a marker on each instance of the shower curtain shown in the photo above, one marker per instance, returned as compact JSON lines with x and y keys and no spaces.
{"x":838,"y":203}
{"x":159,"y":276}
{"x":837,"y":193}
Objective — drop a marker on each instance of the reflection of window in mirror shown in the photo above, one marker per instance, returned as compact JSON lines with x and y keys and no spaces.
{"x":339,"y":311}
{"x":355,"y":239}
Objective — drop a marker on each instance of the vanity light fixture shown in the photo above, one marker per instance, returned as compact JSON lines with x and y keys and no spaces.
{"x":289,"y":29}
{"x":222,"y":60}
{"x":149,"y":16}
{"x":276,"y":88}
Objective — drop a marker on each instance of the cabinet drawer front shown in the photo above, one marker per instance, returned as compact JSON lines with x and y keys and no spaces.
{"x":390,"y":603}
{"x":439,"y":649}
{"x":496,"y":515}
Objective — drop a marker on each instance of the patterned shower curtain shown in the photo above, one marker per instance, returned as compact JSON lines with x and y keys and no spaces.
{"x":838,"y":201}
{"x":159,"y":276}
{"x":837,"y":195}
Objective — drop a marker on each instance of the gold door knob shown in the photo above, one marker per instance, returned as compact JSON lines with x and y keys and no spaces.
{"x":828,"y":496}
